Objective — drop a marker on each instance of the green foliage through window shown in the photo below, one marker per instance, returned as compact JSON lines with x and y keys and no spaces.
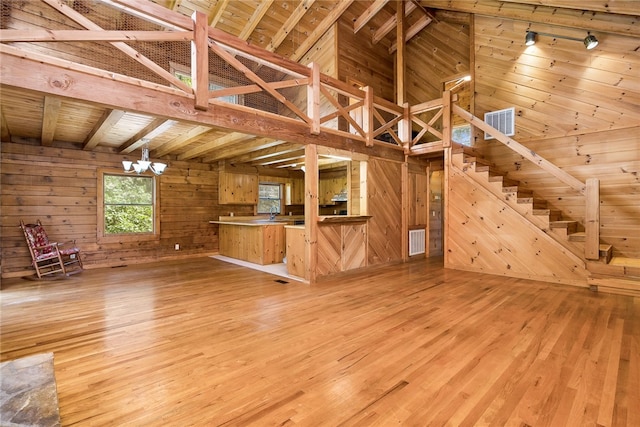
{"x":269,"y":198}
{"x":462,"y":135}
{"x":128,"y":204}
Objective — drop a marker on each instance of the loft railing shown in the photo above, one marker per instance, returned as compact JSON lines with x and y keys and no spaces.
{"x":294,"y":91}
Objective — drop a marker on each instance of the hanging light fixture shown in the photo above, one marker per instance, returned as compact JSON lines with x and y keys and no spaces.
{"x":143,"y":165}
{"x":589,"y":42}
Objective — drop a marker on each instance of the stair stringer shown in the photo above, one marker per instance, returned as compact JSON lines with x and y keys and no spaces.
{"x":486,"y":234}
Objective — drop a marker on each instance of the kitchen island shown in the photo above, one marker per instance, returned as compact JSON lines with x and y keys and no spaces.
{"x":257,"y":240}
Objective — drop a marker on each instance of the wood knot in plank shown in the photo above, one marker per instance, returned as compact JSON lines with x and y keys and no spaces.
{"x":61,"y":83}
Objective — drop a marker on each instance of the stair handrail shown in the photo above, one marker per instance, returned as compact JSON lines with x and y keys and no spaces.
{"x":590,"y":189}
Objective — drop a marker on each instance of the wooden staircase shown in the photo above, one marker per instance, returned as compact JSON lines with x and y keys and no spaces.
{"x":569,"y":233}
{"x":621,"y":279}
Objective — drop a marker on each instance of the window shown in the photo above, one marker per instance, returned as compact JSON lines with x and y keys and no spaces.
{"x":462,"y":135}
{"x":127,"y":206}
{"x":269,"y":196}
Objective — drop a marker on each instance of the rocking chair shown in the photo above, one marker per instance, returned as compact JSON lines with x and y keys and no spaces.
{"x":50,"y":257}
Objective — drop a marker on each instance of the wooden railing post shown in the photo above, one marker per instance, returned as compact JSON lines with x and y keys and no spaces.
{"x":404,"y":128}
{"x":367,"y":116}
{"x":313,"y":98}
{"x":592,"y":219}
{"x":446,"y":119}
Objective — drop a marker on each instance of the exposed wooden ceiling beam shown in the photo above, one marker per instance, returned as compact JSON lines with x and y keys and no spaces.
{"x":424,"y":10}
{"x":391,"y":24}
{"x":623,"y":7}
{"x":247,"y":151}
{"x":321,"y":28}
{"x":227,"y":140}
{"x":258,"y":14}
{"x":217,"y":12}
{"x":131,"y":8}
{"x":282,"y":160}
{"x":371,"y":11}
{"x":50,"y":119}
{"x":597,"y":21}
{"x":181,"y":140}
{"x":262,"y":153}
{"x":108,"y":120}
{"x":33,"y":35}
{"x":289,"y":24}
{"x":153,"y":129}
{"x":413,"y":31}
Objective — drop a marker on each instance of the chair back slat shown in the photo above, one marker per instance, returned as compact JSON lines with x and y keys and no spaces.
{"x":36,"y":237}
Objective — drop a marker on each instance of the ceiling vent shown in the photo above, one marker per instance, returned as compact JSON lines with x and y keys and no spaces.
{"x":503,"y":120}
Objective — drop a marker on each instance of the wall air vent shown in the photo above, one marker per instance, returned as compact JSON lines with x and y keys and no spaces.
{"x":417,"y":242}
{"x":503,"y":120}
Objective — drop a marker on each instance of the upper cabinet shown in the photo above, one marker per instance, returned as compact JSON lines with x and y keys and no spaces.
{"x":294,"y":192}
{"x":238,"y":186}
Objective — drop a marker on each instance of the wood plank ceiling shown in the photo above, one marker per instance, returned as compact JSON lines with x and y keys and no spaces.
{"x":286,"y":27}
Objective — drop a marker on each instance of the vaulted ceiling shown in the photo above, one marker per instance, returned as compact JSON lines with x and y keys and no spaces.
{"x":288,"y":28}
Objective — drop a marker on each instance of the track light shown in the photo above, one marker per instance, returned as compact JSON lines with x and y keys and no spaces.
{"x":589,"y":42}
{"x":530,"y":38}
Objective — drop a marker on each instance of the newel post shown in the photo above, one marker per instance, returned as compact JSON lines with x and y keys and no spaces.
{"x":592,"y":219}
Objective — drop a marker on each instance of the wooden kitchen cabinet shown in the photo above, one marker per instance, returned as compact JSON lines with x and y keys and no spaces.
{"x":294,"y":192}
{"x":238,"y":188}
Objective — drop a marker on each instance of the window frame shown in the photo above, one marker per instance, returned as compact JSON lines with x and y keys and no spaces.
{"x":280,"y":199}
{"x":126,"y":237}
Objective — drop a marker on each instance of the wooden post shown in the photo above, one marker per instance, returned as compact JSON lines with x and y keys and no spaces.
{"x":400,"y":56}
{"x":313,"y":98}
{"x":311,"y":211}
{"x":592,"y":219}
{"x":200,"y":61}
{"x":364,"y":207}
{"x":446,"y":119}
{"x":405,"y":200}
{"x":404,"y":128}
{"x":367,"y":115}
{"x":445,"y":206}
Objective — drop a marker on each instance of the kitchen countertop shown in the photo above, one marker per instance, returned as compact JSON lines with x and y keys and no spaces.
{"x":256,"y":223}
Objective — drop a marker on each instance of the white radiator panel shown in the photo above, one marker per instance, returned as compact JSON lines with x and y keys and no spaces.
{"x":417,"y":242}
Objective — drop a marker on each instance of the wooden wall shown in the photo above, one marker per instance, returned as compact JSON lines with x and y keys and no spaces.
{"x":58,"y":186}
{"x":438,"y":53}
{"x":575,"y":107}
{"x":384,"y":201}
{"x":362,"y":61}
{"x":486,"y":235}
{"x":323,"y":53}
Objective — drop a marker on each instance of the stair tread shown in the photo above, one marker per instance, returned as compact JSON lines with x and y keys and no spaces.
{"x":476,"y":160}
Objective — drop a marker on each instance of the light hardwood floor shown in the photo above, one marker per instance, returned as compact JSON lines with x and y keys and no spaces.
{"x":202,"y":342}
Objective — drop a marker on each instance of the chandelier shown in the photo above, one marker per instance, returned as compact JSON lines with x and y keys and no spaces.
{"x":143,"y":165}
